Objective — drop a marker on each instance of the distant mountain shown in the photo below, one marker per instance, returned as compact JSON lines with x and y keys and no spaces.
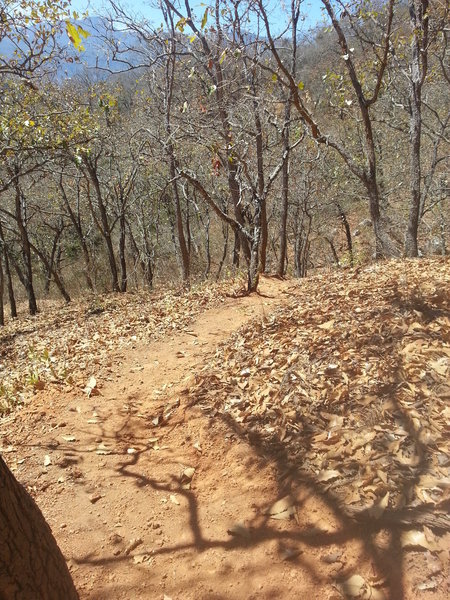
{"x":98,"y":54}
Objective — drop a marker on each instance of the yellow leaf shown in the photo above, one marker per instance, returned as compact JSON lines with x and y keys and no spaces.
{"x":205,"y":19}
{"x":76,"y":33}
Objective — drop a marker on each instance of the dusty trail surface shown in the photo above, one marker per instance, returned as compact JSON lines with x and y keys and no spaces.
{"x":162,"y":481}
{"x":116,"y":475}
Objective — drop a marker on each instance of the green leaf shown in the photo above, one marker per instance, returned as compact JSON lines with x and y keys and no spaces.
{"x":274,"y":77}
{"x":222,"y":57}
{"x":301,"y":85}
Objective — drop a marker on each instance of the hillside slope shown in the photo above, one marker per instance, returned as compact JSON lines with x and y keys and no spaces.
{"x":282,"y":444}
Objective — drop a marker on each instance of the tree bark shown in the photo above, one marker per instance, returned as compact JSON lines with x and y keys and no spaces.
{"x":52,"y":260}
{"x":225,"y":231}
{"x":2,"y":288}
{"x":12,"y":298}
{"x":261,"y":198}
{"x":26,"y":249}
{"x":145,"y":261}
{"x":284,"y":189}
{"x":32,"y":566}
{"x":169,"y":81}
{"x":348,"y":233}
{"x":76,"y":222}
{"x":418,"y":12}
{"x":52,"y":270}
{"x":122,"y":257}
{"x":104,"y":226}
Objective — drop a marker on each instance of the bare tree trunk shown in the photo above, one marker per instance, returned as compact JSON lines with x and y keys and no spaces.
{"x":144,"y":262}
{"x":261,"y":198}
{"x":185,"y":262}
{"x":170,"y":75}
{"x":53,"y":256}
{"x":442,"y":228}
{"x":419,"y":17}
{"x":284,"y":189}
{"x":76,"y":222}
{"x":348,"y":233}
{"x":301,"y":249}
{"x":50,"y":268}
{"x":2,"y":289}
{"x":207,"y":245}
{"x":103,"y":226}
{"x":12,"y":299}
{"x":285,"y":135}
{"x":333,"y":251}
{"x":225,"y":229}
{"x":26,"y":249}
{"x":253,"y":267}
{"x":31,"y":564}
{"x":236,"y":249}
{"x":122,"y":257}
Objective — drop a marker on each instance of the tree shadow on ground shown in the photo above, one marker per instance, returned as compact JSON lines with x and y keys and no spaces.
{"x":288,"y":459}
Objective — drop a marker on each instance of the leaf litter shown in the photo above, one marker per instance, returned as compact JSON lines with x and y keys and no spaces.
{"x":70,"y":345}
{"x":351,"y":380}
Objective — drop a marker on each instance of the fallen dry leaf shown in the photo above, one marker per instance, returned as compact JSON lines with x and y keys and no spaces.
{"x":328,"y":475}
{"x":415,"y":539}
{"x":357,"y":587}
{"x":91,"y":387}
{"x":377,"y":510}
{"x":282,"y":509}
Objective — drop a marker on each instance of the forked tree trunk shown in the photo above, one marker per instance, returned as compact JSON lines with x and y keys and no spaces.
{"x":32,"y":566}
{"x":53,"y":271}
{"x":76,"y":223}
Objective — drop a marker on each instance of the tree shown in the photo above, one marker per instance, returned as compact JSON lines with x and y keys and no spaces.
{"x":31,"y":564}
{"x":366,"y":96}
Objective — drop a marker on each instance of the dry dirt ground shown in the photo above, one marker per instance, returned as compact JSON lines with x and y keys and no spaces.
{"x":150,"y":496}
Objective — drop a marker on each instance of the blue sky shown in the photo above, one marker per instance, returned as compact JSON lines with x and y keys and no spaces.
{"x":311,"y":10}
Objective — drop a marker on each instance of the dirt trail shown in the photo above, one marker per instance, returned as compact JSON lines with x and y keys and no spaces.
{"x":114,"y":493}
{"x":152,"y":498}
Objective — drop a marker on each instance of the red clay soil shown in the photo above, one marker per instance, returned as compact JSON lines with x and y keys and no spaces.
{"x":149,"y":497}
